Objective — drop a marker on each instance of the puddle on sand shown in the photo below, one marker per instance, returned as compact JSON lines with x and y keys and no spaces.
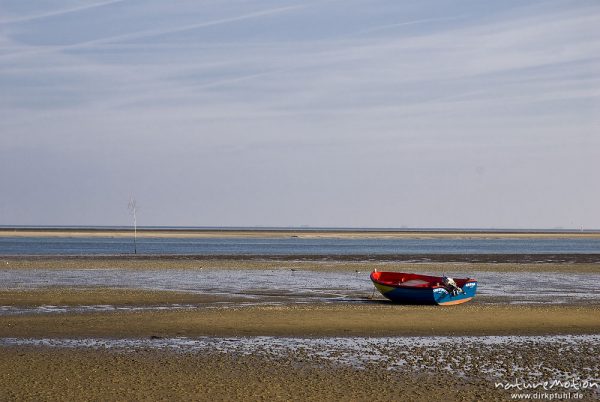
{"x":48,"y":309}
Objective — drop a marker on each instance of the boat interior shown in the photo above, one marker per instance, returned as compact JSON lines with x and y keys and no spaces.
{"x":412,"y":280}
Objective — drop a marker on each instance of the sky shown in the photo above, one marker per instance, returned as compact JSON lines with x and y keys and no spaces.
{"x":428,"y":113}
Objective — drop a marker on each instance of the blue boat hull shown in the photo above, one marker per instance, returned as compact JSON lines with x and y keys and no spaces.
{"x":435,"y":295}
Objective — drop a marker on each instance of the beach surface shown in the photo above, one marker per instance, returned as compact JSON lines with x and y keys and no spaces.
{"x":576,"y":263}
{"x":199,"y":328}
{"x":362,"y":369}
{"x":41,"y":373}
{"x":377,"y":319}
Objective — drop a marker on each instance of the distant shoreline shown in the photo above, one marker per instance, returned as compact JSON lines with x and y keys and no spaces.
{"x":307,"y":233}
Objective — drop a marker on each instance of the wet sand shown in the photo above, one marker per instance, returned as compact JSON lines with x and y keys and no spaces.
{"x":467,"y":263}
{"x":376,"y":319}
{"x":369,"y":369}
{"x":61,"y":372}
{"x":158,"y":375}
{"x":61,"y":296}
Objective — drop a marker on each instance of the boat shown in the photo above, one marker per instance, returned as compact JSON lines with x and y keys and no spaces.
{"x":409,"y":288}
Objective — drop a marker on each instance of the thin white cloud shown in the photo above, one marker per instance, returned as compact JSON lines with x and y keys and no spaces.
{"x":403,"y":24}
{"x":149,"y":33}
{"x":58,"y":13}
{"x":318,"y":76}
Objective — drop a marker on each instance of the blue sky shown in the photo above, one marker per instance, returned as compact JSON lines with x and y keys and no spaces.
{"x":285,"y":113}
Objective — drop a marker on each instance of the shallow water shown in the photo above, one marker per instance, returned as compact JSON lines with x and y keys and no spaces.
{"x":103,"y":308}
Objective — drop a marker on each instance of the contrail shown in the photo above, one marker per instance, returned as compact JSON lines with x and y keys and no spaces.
{"x":59,"y":12}
{"x":399,"y":24}
{"x":313,"y":64}
{"x":249,"y":77}
{"x":151,"y":33}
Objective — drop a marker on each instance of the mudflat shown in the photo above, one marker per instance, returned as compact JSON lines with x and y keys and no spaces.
{"x":95,"y":296}
{"x":46,"y":355}
{"x":349,"y":263}
{"x":73,"y":374}
{"x":376,"y":319}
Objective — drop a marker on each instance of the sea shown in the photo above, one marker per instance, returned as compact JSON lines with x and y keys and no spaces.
{"x":292,"y":245}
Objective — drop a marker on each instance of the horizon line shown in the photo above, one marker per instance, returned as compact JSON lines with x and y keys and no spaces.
{"x":300,"y":228}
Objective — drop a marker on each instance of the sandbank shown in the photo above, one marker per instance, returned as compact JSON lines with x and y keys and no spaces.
{"x":83,"y":296}
{"x":431,"y":263}
{"x":377,"y":318}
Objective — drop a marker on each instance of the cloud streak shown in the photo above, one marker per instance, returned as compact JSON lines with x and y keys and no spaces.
{"x":58,"y":13}
{"x":152,"y":33}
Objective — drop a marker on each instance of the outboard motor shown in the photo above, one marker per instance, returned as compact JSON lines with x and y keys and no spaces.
{"x":451,"y":286}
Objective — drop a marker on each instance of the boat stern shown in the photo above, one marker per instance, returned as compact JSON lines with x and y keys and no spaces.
{"x":443,"y":297}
